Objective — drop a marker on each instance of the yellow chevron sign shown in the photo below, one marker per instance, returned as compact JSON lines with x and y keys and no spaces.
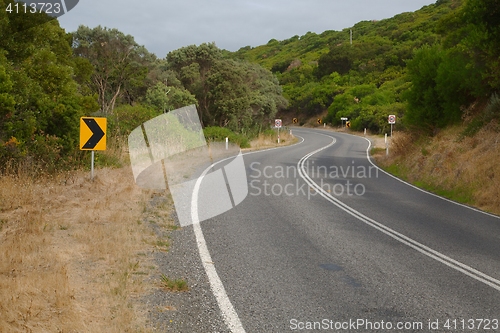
{"x":93,"y":133}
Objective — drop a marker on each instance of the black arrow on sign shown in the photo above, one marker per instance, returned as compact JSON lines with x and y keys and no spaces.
{"x":97,"y":133}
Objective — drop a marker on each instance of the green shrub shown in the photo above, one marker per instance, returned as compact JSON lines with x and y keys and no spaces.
{"x":214,"y":134}
{"x":126,"y":118}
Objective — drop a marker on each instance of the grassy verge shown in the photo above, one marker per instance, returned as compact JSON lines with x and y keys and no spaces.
{"x":75,"y":254}
{"x":461,"y":195}
{"x":269,"y":139}
{"x":466,"y":170}
{"x":69,"y":248}
{"x":265,"y":139}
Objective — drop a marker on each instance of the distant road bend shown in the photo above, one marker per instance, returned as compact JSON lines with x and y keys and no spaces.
{"x":327,"y":241}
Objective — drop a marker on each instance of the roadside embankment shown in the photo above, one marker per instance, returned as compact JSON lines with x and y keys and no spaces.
{"x":75,"y":254}
{"x":451,"y":164}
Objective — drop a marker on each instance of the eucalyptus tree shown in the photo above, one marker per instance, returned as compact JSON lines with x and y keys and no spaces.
{"x":120,"y":64}
{"x":230,"y":93}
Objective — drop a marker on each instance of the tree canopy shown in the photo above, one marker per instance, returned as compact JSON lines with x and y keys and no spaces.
{"x":120,"y":64}
{"x":230,"y":93}
{"x":49,"y":79}
{"x":40,"y":102}
{"x":425,"y":67}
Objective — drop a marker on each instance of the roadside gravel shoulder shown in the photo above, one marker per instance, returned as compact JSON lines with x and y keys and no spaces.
{"x":194,"y":310}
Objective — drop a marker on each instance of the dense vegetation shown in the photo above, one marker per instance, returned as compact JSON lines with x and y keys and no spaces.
{"x":40,"y":101}
{"x":235,"y":94}
{"x":426,"y":67}
{"x":49,"y":79}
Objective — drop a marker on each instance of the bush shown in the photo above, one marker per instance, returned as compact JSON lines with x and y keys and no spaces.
{"x":214,"y":134}
{"x":126,"y":118}
{"x":442,"y":83}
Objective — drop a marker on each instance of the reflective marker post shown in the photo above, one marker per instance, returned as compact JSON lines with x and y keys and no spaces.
{"x":344,"y":119}
{"x":278,"y":123}
{"x":386,"y":146}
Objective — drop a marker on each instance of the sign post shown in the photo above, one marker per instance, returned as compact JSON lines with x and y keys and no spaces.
{"x":344,"y":119}
{"x":392,"y":120}
{"x":278,"y":123}
{"x":92,"y":137}
{"x":92,"y":166}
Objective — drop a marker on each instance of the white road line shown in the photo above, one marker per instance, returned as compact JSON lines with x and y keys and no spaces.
{"x":226,"y":307}
{"x":228,"y":312}
{"x":452,"y":263}
{"x":421,"y":190}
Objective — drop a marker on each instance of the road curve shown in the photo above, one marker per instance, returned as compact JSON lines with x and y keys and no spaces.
{"x":327,"y":241}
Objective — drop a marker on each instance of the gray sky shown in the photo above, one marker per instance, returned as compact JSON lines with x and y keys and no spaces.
{"x":163,"y":26}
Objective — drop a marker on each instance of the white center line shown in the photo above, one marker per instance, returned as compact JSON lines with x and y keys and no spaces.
{"x":475,"y":274}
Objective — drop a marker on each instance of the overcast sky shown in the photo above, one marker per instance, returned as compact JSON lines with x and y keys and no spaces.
{"x":163,"y":26}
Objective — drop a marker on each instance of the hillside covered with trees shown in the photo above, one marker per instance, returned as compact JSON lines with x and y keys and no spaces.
{"x":428,"y":67}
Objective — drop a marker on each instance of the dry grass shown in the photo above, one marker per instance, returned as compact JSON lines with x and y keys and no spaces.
{"x":467,"y":169}
{"x":266,"y":141}
{"x":73,"y":253}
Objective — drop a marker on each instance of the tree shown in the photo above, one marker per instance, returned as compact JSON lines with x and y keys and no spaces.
{"x":458,"y":84}
{"x":230,"y":93}
{"x":424,"y":108}
{"x":481,"y":19}
{"x":40,"y":102}
{"x":7,"y":101}
{"x":192,"y":65}
{"x":166,"y":98}
{"x":120,"y":64}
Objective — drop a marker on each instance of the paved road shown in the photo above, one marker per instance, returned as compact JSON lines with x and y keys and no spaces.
{"x":325,"y":240}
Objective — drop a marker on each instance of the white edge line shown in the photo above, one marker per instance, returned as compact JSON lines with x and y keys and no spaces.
{"x":227,"y":309}
{"x":452,"y":263}
{"x":418,"y":188}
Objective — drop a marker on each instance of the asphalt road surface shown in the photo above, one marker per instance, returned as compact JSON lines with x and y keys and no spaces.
{"x":325,"y":241}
